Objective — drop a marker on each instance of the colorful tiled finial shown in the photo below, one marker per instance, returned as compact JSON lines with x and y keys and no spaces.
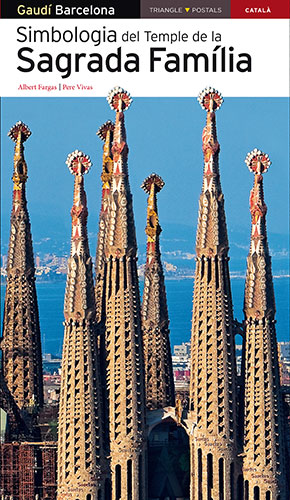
{"x":152,"y":178}
{"x":210,"y":99}
{"x":119,"y":99}
{"x":257,"y":162}
{"x":19,"y":127}
{"x":78,"y":163}
{"x":152,"y":185}
{"x":102,"y":131}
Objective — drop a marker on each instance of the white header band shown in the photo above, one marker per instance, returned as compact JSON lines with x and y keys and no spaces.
{"x":155,"y":42}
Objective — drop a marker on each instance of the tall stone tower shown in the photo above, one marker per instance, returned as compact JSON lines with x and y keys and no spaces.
{"x":157,"y":354}
{"x":81,"y":463}
{"x":213,"y":370}
{"x":105,"y":133}
{"x":21,"y":344}
{"x":124,"y":353}
{"x":263,"y":465}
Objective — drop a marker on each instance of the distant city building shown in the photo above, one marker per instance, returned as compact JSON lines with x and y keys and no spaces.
{"x":4,"y":260}
{"x":285,"y":350}
{"x":182,"y":350}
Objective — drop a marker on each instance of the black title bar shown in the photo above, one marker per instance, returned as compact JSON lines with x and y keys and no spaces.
{"x":69,"y":9}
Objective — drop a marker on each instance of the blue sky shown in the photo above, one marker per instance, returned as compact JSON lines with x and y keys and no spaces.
{"x":164,"y":136}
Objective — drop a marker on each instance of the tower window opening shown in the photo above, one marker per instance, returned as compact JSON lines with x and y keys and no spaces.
{"x":217,"y":284}
{"x":246,"y":490}
{"x":232,"y":482}
{"x":129,"y":479}
{"x":221,"y":479}
{"x":209,"y":475}
{"x":202,"y":269}
{"x":199,"y":473}
{"x":110,"y":278}
{"x":208,"y":270}
{"x":125,"y":273}
{"x":268,"y":495}
{"x":240,"y":488}
{"x":256,"y":493}
{"x":118,"y":482}
{"x":140,"y":465}
{"x":117,"y":276}
{"x":108,"y":495}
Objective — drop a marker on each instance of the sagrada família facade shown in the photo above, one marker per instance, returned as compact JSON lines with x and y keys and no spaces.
{"x":117,"y":380}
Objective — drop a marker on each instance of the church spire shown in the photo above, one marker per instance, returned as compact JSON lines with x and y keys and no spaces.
{"x":211,"y":237}
{"x":121,"y":228}
{"x":123,"y":337}
{"x":264,"y":467}
{"x":157,"y":353}
{"x":213,"y":372}
{"x":21,"y":344}
{"x":105,"y":133}
{"x":80,"y":437}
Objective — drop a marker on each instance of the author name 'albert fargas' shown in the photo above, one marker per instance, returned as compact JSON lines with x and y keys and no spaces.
{"x":60,"y":10}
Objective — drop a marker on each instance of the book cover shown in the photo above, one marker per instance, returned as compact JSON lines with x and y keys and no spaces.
{"x":145,"y":335}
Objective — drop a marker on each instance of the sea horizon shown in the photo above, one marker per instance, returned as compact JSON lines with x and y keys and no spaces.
{"x":179,"y":299}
